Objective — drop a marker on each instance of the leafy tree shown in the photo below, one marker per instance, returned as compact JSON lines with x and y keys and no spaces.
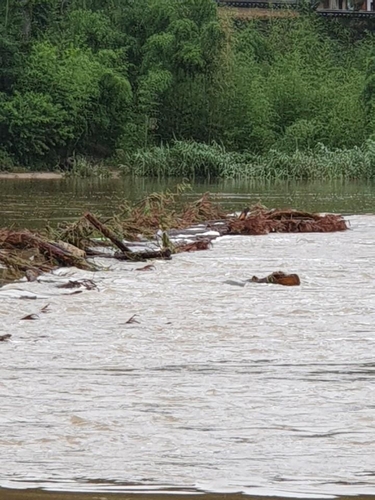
{"x":94,"y":76}
{"x":25,"y":120}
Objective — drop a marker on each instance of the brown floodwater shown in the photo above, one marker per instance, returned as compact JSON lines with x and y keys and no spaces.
{"x":217,"y":389}
{"x":33,"y":202}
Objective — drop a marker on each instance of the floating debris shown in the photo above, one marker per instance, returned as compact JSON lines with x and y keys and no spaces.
{"x":278,"y":278}
{"x":34,"y":316}
{"x":155,"y":228}
{"x":203,"y":244}
{"x":131,"y":320}
{"x":30,"y":317}
{"x":50,"y":254}
{"x":5,"y":337}
{"x":259,"y":220}
{"x":85,"y":283}
{"x":148,"y":267}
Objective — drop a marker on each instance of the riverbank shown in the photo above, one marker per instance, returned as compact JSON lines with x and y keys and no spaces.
{"x":194,"y":160}
{"x":48,"y":176}
{"x":31,"y":175}
{"x":209,"y":161}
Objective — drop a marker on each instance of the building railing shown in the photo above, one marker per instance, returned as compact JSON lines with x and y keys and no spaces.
{"x":294,"y":4}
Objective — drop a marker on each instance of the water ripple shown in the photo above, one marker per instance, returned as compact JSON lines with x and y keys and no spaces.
{"x":260,"y":390}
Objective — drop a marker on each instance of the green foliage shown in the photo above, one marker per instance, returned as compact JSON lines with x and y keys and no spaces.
{"x":64,"y":97}
{"x":151,"y":86}
{"x":9,"y":60}
{"x":182,"y":90}
{"x":369,"y":94}
{"x":84,"y":168}
{"x":25,"y":120}
{"x":86,"y":28}
{"x":6,"y":162}
{"x":182,"y":159}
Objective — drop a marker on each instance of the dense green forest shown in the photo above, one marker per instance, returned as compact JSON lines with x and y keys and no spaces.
{"x":176,"y":87}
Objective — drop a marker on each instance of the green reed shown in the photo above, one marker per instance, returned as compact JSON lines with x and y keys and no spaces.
{"x":191,"y":159}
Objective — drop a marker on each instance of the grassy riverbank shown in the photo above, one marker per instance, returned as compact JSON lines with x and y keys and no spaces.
{"x":196,"y":160}
{"x":182,"y":159}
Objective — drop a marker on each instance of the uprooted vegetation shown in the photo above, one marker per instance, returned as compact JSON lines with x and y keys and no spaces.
{"x":157,"y":227}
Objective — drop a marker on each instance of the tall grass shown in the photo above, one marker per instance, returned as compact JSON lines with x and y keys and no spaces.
{"x":181,"y":159}
{"x":191,"y":159}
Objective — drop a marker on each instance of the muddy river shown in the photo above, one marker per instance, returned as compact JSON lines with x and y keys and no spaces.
{"x":33,"y":203}
{"x":260,"y":390}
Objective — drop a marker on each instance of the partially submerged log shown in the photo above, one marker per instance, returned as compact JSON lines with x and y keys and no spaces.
{"x":164,"y":253}
{"x":52,"y":252}
{"x":278,"y":278}
{"x":85,"y":283}
{"x":132,"y":256}
{"x":106,"y":232}
{"x":203,"y":244}
{"x":12,"y":260}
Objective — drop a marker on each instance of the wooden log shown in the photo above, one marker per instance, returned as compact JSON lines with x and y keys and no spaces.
{"x":77,"y":252}
{"x":278,"y":278}
{"x":61,"y":255}
{"x":91,"y":252}
{"x":106,"y":232}
{"x":132,"y":256}
{"x":165,"y":253}
{"x":13,"y":261}
{"x":50,"y":250}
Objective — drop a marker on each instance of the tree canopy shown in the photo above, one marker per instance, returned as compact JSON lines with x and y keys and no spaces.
{"x":97,"y":76}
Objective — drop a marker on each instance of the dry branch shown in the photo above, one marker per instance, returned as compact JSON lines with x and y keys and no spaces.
{"x":106,"y":232}
{"x":148,"y":267}
{"x":11,"y":260}
{"x":148,"y":254}
{"x":50,"y":250}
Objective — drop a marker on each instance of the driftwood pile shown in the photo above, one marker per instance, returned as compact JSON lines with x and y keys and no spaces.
{"x":259,"y":220}
{"x":157,"y":227}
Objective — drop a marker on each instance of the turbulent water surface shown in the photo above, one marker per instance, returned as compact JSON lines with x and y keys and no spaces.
{"x":259,"y":390}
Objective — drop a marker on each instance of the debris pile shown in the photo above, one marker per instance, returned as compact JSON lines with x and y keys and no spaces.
{"x":155,"y":228}
{"x":260,"y":220}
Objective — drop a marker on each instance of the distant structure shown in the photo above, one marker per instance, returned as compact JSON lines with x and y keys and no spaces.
{"x":328,"y":8}
{"x":346,"y":5}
